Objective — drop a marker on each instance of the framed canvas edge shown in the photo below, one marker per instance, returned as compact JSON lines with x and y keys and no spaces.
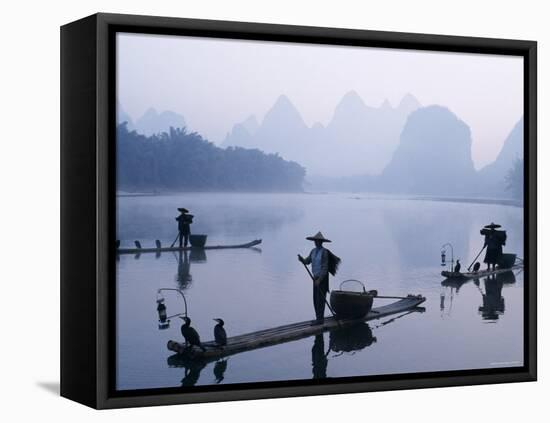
{"x":105,"y":111}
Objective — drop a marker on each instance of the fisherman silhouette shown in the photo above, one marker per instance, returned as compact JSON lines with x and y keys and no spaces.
{"x":494,"y":240}
{"x":184,"y":229}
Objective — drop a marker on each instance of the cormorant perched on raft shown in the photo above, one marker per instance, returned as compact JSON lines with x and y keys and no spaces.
{"x":219,"y":333}
{"x":190,"y":334}
{"x":457,"y":267}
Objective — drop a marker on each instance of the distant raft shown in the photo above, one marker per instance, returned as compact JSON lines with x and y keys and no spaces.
{"x":176,"y":249}
{"x":480,"y":274}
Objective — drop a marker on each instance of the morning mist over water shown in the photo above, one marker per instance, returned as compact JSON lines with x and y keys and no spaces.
{"x":392,"y":167}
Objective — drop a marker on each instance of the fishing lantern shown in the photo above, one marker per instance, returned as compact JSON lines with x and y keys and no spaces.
{"x":164,"y":323}
{"x":161,"y":309}
{"x":164,"y":319}
{"x":444,"y":248}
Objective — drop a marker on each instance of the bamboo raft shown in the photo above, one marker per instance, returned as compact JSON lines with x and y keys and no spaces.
{"x":189,"y":248}
{"x":479,"y":274}
{"x":286,"y":333}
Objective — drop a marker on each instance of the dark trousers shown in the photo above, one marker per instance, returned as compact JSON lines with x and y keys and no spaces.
{"x":319,"y":298}
{"x":184,"y":239}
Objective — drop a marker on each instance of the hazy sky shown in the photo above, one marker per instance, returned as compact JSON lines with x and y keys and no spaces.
{"x":215,"y":83}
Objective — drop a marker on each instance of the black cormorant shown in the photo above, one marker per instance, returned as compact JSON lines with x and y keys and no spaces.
{"x":477,"y":266}
{"x":138,"y":244}
{"x":457,"y":266}
{"x":190,"y":334}
{"x":219,"y":333}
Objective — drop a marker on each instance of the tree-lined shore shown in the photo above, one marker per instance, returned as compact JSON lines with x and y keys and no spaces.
{"x":179,"y":160}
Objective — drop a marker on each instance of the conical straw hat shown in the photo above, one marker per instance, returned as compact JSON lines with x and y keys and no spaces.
{"x":318,"y":237}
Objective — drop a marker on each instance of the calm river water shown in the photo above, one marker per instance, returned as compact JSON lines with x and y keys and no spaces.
{"x":392,"y":244}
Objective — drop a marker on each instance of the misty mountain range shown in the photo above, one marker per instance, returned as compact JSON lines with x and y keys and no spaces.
{"x":434,"y":158}
{"x":151,"y":122}
{"x":407,"y":149}
{"x":358,"y":139}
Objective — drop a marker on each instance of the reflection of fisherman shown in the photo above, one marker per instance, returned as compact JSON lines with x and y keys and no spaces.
{"x":184,"y":222}
{"x":494,"y":240}
{"x":184,"y":269}
{"x":319,"y":359}
{"x":322,"y":262}
{"x":493,"y":301}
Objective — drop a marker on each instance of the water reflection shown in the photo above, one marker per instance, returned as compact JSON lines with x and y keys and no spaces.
{"x":184,"y":260}
{"x":413,"y":241}
{"x":493,"y":304}
{"x":219,"y":370}
{"x":352,"y":339}
{"x":493,"y":301}
{"x":183,"y":276}
{"x":319,"y":360}
{"x":194,"y":367}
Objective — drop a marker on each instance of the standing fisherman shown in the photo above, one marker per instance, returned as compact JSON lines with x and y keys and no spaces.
{"x":494,"y":240}
{"x":184,"y":222}
{"x":322,"y":263}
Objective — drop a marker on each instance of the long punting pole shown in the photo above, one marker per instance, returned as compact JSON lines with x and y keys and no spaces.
{"x":470,"y":266}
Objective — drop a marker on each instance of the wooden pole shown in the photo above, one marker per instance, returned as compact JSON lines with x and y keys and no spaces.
{"x":470,"y":266}
{"x":391,"y":297}
{"x":177,"y":236}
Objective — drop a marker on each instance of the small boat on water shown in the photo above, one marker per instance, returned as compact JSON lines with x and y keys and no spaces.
{"x":352,"y":304}
{"x":176,"y":249}
{"x":509,"y":262}
{"x":480,"y":274}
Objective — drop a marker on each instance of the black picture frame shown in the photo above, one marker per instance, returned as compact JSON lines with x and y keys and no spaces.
{"x":88,"y":206}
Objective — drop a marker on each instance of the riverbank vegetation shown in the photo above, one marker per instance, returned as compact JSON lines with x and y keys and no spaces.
{"x":179,"y":160}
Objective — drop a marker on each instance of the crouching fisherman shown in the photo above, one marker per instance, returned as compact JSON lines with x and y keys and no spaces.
{"x":323,"y":262}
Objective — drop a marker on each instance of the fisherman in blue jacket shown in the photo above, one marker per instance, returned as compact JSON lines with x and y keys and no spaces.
{"x":320,"y":259}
